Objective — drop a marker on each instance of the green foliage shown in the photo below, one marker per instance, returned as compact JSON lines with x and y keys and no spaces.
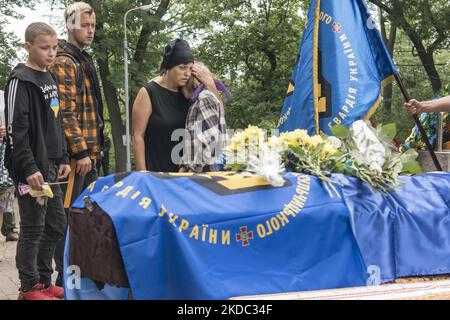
{"x":340,"y":131}
{"x":410,"y":164}
{"x":428,"y":19}
{"x":251,"y":45}
{"x":412,"y":167}
{"x":422,"y":52}
{"x":387,"y":132}
{"x":416,"y":82}
{"x":394,"y":163}
{"x":9,"y":43}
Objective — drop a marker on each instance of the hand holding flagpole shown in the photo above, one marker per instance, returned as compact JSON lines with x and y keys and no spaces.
{"x":418,"y":123}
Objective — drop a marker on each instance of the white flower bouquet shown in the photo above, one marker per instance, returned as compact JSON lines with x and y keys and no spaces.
{"x":359,"y":151}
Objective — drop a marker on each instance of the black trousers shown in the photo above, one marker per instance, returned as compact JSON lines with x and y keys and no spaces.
{"x":80,"y":184}
{"x":41,"y":227}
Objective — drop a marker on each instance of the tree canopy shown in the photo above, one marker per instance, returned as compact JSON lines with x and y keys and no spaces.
{"x":252,"y":46}
{"x":9,"y":43}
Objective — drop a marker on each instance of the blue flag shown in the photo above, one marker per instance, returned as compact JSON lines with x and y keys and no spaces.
{"x":403,"y":233}
{"x":222,"y":235}
{"x":341,"y":67}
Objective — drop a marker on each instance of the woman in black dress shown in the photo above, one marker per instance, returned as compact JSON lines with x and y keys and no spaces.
{"x":159,"y":109}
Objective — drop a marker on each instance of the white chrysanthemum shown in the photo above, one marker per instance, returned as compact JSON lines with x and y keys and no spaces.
{"x":267,"y":165}
{"x":335,"y":142}
{"x":368,"y":144}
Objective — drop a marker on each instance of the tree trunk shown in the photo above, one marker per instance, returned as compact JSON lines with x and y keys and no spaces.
{"x":272,"y":57}
{"x":117,"y":127}
{"x":147,"y":30}
{"x":430,"y":68}
{"x":141,"y":46}
{"x":425,"y":56}
{"x":110,"y":93}
{"x":109,"y":89}
{"x":427,"y":60}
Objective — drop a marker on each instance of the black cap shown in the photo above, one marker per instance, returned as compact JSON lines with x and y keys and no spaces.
{"x":175,"y":53}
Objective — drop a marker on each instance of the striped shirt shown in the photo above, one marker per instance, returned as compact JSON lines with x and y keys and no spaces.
{"x":5,"y":180}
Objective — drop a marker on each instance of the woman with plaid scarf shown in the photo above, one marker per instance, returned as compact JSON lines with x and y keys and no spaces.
{"x":206,"y":129}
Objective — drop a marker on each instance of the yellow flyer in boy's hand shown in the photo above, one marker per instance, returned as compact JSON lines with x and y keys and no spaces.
{"x":45,"y":192}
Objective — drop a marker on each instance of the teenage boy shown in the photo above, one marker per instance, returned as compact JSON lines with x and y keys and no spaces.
{"x":35,"y":155}
{"x":81,"y":104}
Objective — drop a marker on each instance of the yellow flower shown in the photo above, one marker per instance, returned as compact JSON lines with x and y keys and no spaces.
{"x":234,"y":145}
{"x":313,"y":141}
{"x":300,"y":134}
{"x":237,"y":141}
{"x":293,"y":141}
{"x":327,"y":151}
{"x":254,"y":135}
{"x":294,"y":138}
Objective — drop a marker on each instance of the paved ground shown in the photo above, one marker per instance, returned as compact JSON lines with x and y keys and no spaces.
{"x":9,"y":277}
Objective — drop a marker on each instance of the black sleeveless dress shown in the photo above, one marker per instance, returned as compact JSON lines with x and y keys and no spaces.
{"x":169,"y":112}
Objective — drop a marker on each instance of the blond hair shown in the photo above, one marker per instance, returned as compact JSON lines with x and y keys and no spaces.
{"x":73,"y":13}
{"x":36,"y":29}
{"x":193,"y":82}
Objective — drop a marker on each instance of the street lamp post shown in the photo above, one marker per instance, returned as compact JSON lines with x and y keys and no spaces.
{"x":125,"y":64}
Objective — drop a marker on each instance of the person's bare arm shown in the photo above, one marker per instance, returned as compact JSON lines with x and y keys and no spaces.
{"x":437,"y":105}
{"x":205,"y":77}
{"x":142,"y":109}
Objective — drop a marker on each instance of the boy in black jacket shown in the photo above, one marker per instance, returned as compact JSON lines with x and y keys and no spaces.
{"x":36,"y":154}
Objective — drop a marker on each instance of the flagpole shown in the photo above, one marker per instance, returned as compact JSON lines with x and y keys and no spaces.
{"x":418,"y":123}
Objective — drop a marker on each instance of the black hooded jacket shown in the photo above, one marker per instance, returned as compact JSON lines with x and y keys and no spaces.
{"x":30,"y":135}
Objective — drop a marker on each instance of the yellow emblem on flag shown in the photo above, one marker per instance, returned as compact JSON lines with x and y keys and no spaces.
{"x":290,"y":88}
